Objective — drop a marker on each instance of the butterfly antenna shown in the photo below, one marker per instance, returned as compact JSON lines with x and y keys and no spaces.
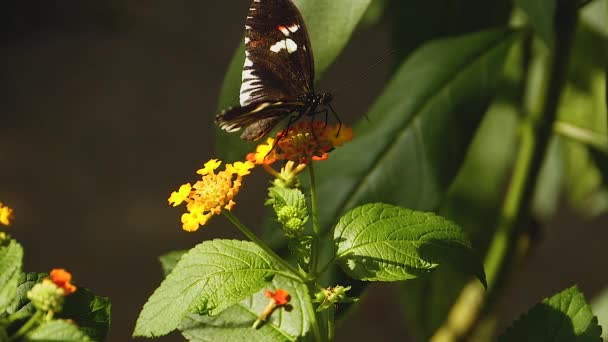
{"x":364,"y":72}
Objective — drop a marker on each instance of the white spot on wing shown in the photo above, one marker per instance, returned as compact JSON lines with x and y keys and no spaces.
{"x":278,"y":46}
{"x":287,"y":44}
{"x":248,"y":62}
{"x":291,"y":45}
{"x":247,"y":40}
{"x":283,"y":30}
{"x":293,"y":27}
{"x":247,"y":27}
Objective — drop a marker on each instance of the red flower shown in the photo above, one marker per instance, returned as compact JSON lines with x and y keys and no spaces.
{"x":280,"y":297}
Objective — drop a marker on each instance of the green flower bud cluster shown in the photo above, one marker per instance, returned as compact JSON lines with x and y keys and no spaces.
{"x":46,"y":296}
{"x":290,"y":208}
{"x":331,"y":296}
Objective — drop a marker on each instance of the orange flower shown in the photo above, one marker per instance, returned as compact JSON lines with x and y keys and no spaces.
{"x":62,"y":279}
{"x":280,"y":296}
{"x":211,"y":194}
{"x":277,"y":299}
{"x":302,"y":143}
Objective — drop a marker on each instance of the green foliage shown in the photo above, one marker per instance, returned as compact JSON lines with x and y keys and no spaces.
{"x":234,"y":323}
{"x":87,"y":316}
{"x":541,"y":15}
{"x":381,"y":242}
{"x":90,"y":312}
{"x":11,"y":257}
{"x":57,"y":330}
{"x":211,"y":277}
{"x":169,"y":260}
{"x":290,"y":208}
{"x":600,"y":308}
{"x":439,"y":95}
{"x":565,"y":317}
{"x":21,"y":307}
{"x":472,"y":201}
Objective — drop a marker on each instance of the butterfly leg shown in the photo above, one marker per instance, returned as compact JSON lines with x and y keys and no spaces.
{"x":291,"y":121}
{"x":337,"y":118}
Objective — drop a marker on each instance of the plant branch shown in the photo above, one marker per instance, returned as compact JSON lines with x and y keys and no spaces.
{"x":515,"y":214}
{"x":251,"y":236}
{"x":315,"y":220}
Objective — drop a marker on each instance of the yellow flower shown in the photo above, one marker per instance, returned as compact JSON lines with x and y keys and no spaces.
{"x":240,"y":168}
{"x":338,"y":135}
{"x":263,"y":153}
{"x":209,"y":167}
{"x":211,"y":194}
{"x":177,"y":197}
{"x":6,"y":215}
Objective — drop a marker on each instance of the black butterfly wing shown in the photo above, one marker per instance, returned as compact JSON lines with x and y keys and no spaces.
{"x":278,"y":58}
{"x":257,"y":118}
{"x":278,"y":69}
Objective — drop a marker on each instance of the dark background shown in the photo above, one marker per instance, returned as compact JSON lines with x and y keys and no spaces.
{"x":106,"y":107}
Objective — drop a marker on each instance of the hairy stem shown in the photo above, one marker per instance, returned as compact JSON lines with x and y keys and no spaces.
{"x":35,"y":319}
{"x":315,"y":220}
{"x":251,"y":236}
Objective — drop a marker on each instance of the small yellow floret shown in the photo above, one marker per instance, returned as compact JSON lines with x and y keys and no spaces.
{"x":6,"y":215}
{"x":179,"y":196}
{"x":209,"y":167}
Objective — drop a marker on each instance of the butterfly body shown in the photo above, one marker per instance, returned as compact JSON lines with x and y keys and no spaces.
{"x":278,"y":72}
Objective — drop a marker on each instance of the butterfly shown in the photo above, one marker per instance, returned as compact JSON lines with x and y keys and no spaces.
{"x":278,"y":74}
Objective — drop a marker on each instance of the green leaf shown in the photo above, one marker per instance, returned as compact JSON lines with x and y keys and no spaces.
{"x":330,"y":25}
{"x":420,"y":128}
{"x":473,"y":202}
{"x":91,"y":313}
{"x":600,"y":308}
{"x":57,"y":330}
{"x":541,"y":15}
{"x":382,"y":242}
{"x":21,"y":306}
{"x":11,"y":258}
{"x":564,"y":317}
{"x":211,"y":277}
{"x":169,"y":260}
{"x":234,"y":323}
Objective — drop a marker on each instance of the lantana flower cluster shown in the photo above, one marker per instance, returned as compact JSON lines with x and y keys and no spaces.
{"x":49,"y":295}
{"x":303,"y":143}
{"x":210,"y":195}
{"x":215,"y":191}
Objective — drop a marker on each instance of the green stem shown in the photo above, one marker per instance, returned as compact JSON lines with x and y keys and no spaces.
{"x":330,"y":323}
{"x":313,"y":320}
{"x":536,"y":135}
{"x":315,"y":220}
{"x":515,"y":217}
{"x":27,"y":326}
{"x":249,"y":234}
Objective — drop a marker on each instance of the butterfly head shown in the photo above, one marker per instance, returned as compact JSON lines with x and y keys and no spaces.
{"x":325,"y":98}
